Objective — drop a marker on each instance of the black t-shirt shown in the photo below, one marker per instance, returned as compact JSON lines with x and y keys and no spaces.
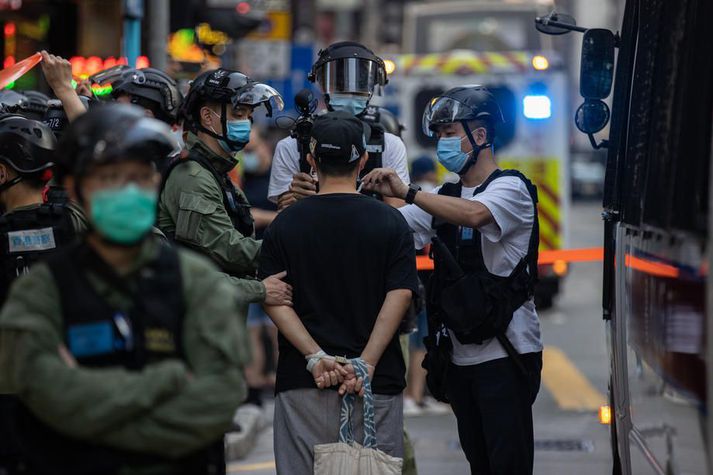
{"x":342,"y":254}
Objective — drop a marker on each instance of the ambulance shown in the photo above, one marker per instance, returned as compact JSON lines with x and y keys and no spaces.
{"x":530,"y":83}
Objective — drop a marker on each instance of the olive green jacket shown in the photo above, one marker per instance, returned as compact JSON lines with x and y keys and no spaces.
{"x":170,"y":408}
{"x":191,"y":209}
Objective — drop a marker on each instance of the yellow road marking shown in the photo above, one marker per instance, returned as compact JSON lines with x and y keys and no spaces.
{"x":238,"y":467}
{"x":570,"y":388}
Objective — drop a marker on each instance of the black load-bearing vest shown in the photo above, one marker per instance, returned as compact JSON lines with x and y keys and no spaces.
{"x":479,"y":305}
{"x":236,"y":205}
{"x":30,"y":235}
{"x":100,"y":335}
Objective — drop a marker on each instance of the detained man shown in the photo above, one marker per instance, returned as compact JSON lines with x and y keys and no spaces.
{"x":350,"y":260}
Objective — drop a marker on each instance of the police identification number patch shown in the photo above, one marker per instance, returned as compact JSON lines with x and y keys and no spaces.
{"x":31,"y":240}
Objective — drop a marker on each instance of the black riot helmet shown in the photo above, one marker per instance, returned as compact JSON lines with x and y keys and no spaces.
{"x":348,"y":67}
{"x":27,"y":146}
{"x":464,"y":104}
{"x":36,"y":105}
{"x":151,"y":89}
{"x":56,"y":118}
{"x":227,"y":88}
{"x":112,"y":133}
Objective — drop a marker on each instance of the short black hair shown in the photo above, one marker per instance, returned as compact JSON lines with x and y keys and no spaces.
{"x":336,"y":168}
{"x":36,"y":180}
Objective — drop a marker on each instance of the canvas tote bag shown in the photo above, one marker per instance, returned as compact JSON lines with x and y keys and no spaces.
{"x":348,"y":457}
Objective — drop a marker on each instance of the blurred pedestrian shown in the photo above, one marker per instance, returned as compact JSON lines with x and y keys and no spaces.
{"x":122,"y":350}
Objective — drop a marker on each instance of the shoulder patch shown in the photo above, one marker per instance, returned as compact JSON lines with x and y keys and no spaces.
{"x":31,"y":240}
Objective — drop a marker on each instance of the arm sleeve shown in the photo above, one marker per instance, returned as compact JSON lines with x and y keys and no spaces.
{"x":79,"y":402}
{"x":204,"y":408}
{"x":271,"y":260}
{"x":203,"y":223}
{"x":510,"y":204}
{"x":395,"y":157}
{"x":401,"y":272}
{"x":420,"y":223}
{"x":285,"y":165}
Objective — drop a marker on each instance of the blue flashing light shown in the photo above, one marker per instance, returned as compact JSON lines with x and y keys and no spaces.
{"x":537,"y":107}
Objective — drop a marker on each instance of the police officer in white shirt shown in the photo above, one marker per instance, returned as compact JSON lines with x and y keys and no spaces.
{"x":347,"y":72}
{"x":487,"y":224}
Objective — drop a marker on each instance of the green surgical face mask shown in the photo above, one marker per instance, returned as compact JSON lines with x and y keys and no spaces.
{"x":124,"y":215}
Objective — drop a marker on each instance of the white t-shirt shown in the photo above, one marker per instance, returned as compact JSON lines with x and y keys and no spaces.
{"x":286,"y":163}
{"x":503,"y":245}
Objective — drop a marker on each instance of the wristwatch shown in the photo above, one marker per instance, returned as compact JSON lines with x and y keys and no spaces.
{"x":411,"y":194}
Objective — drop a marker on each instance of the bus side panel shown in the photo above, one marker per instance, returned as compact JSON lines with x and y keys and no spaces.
{"x":664,"y":308}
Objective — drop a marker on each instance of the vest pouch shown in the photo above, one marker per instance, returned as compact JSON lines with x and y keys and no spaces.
{"x":473,"y":308}
{"x":436,"y":362}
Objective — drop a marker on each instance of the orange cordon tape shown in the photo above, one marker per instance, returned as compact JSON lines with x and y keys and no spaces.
{"x":591,"y":254}
{"x":15,"y":71}
{"x":545,"y":257}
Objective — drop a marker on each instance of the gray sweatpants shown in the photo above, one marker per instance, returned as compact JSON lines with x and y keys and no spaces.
{"x":308,"y":417}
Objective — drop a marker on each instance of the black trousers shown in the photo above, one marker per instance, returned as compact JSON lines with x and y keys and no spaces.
{"x":492,"y":402}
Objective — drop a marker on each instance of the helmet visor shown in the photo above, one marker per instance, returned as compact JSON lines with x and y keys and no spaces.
{"x":257,"y":94}
{"x":350,"y":75}
{"x":110,"y":75}
{"x":444,"y":110}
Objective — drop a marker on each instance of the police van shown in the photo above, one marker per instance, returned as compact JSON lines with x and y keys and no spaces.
{"x":657,"y":217}
{"x":526,"y":76}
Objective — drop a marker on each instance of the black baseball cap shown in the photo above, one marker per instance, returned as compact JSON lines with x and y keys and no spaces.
{"x":339,"y":135}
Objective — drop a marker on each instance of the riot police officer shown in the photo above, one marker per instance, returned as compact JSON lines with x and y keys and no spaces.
{"x":122,"y":349}
{"x":348,"y":73}
{"x":29,"y":229}
{"x":151,"y":89}
{"x":199,"y":206}
{"x":485,"y":239}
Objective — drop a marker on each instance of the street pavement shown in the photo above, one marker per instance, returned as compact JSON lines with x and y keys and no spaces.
{"x":569,"y":437}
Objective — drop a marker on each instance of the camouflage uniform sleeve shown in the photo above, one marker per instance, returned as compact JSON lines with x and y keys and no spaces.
{"x":79,"y":402}
{"x":204,"y":409}
{"x":194,"y":203}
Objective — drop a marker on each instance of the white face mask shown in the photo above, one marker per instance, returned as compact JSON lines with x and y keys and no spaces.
{"x":178,"y":135}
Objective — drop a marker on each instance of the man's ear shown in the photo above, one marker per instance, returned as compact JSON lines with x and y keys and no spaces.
{"x":480,"y":135}
{"x":362,"y":160}
{"x":4,"y":173}
{"x":206,"y":115}
{"x":311,"y":161}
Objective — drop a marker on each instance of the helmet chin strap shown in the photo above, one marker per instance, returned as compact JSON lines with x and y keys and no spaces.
{"x":9,"y":184}
{"x":476,"y":149}
{"x":223,"y":136}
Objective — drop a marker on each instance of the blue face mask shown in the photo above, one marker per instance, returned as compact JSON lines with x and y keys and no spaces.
{"x":123,"y":215}
{"x":450,"y":154}
{"x":238,"y":131}
{"x":351,"y":103}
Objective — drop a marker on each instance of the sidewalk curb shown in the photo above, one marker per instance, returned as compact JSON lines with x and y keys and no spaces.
{"x":239,"y":444}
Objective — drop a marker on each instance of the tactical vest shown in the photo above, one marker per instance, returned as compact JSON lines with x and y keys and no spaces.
{"x":99,"y":335}
{"x":480,"y":305}
{"x":30,"y":235}
{"x":236,"y":205}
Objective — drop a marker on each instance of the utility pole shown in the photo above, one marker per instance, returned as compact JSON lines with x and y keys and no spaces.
{"x":159,"y":24}
{"x":133,"y":13}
